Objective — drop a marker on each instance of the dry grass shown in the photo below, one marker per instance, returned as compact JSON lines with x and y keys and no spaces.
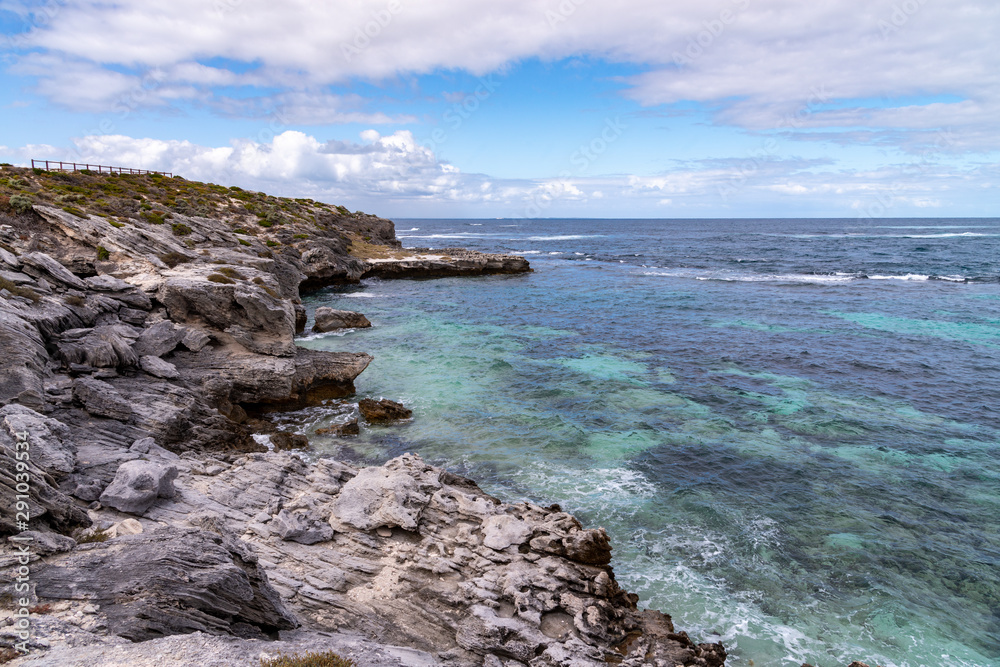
{"x":362,"y":249}
{"x":324,"y":659}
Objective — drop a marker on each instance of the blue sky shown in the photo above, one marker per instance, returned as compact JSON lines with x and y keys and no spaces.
{"x":525,"y":108}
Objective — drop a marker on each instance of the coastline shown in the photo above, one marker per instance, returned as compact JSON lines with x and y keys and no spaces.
{"x":143,"y":387}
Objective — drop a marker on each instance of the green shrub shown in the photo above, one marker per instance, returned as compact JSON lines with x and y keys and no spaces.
{"x":95,"y":536}
{"x":244,"y":242}
{"x":17,"y":290}
{"x":172,"y":259}
{"x":324,"y":659}
{"x":240,"y":230}
{"x":180,"y":229}
{"x":232,"y":273}
{"x":38,"y":172}
{"x":154,"y":217}
{"x":21,"y":204}
{"x":300,"y":236}
{"x":116,"y":225}
{"x":272,"y":244}
{"x":221,"y":279}
{"x":264,"y":223}
{"x":75,"y":211}
{"x":102,"y":254}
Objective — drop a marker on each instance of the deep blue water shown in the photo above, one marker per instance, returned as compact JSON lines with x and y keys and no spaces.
{"x":790,"y":428}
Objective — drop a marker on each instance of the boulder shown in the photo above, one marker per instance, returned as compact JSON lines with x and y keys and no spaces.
{"x":283,"y":441}
{"x":328,"y":319}
{"x":158,"y":367}
{"x":39,"y":264}
{"x":390,"y":495}
{"x":171,"y":581}
{"x":101,"y":399}
{"x":340,"y":430}
{"x":138,"y":484}
{"x":108,"y":346}
{"x":382,"y":411}
{"x":159,"y":339}
{"x":301,"y":527}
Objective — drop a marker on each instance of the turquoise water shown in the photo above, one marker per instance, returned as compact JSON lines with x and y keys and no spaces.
{"x":789,"y":428}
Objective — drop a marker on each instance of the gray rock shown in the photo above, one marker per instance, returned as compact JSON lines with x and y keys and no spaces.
{"x":382,"y":411}
{"x":39,"y":264}
{"x":138,"y":484}
{"x":101,"y":399}
{"x":159,"y":339}
{"x":390,"y":495}
{"x":132,"y":316}
{"x":503,"y":530}
{"x":167,"y":582}
{"x":100,"y":347}
{"x":195,"y":339}
{"x":328,"y":319}
{"x":302,"y":528}
{"x":158,"y":367}
{"x":51,"y":447}
{"x":44,"y":544}
{"x":149,"y":446}
{"x":120,"y":291}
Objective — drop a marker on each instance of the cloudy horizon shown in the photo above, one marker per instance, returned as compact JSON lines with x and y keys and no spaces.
{"x":525,"y":108}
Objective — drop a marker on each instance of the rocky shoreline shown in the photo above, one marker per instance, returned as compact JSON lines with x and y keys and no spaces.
{"x":163,"y":527}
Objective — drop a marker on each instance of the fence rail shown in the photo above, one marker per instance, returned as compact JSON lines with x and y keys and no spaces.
{"x":50,"y":165}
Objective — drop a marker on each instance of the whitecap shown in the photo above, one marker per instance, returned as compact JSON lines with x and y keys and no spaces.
{"x":570,"y":237}
{"x":908,"y":276}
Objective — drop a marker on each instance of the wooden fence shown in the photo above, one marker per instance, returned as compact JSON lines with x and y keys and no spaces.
{"x":53,"y":165}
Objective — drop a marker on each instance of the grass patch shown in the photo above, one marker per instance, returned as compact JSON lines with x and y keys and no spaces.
{"x":17,"y":290}
{"x":244,"y":242}
{"x":95,"y":536}
{"x":180,"y":229}
{"x":300,"y":236}
{"x":75,"y":211}
{"x":103,"y":254}
{"x":230,"y":272}
{"x":272,"y":244}
{"x":362,"y":249}
{"x":116,"y":225}
{"x":221,"y":279}
{"x":74,"y":300}
{"x":154,"y":217}
{"x":172,"y":259}
{"x":311,"y":659}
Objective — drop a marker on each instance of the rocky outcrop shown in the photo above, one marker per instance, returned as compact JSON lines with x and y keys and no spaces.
{"x":440,"y":263}
{"x":382,"y":411}
{"x":328,"y":319}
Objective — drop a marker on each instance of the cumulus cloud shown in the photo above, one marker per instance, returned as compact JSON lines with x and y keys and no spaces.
{"x":394,"y":175}
{"x":755,"y":61}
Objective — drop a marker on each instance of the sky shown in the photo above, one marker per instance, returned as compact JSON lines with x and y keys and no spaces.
{"x":524,"y":108}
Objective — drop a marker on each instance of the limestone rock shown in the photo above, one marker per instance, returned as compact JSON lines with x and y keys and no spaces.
{"x":300,"y":527}
{"x":328,"y":319}
{"x":138,"y":484}
{"x":40,"y":264}
{"x":170,"y":581}
{"x":158,"y":367}
{"x":159,"y":339}
{"x":101,"y":399}
{"x":390,"y":495}
{"x":382,"y":411}
{"x":100,"y":347}
{"x":284,"y":441}
{"x":51,"y":447}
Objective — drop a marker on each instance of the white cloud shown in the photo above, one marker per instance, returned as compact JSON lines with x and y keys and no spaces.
{"x":758,"y":60}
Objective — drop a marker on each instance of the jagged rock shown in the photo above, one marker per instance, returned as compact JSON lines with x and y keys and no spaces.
{"x":51,"y":447}
{"x":328,"y":319}
{"x":39,"y":264}
{"x":100,"y":347}
{"x":284,"y":441}
{"x":138,"y":484}
{"x":390,"y":495}
{"x":300,"y":527}
{"x":124,"y":527}
{"x":169,"y":581}
{"x":24,"y":356}
{"x":44,"y":544}
{"x":101,"y":399}
{"x":149,"y":446}
{"x":120,"y":290}
{"x":46,"y":504}
{"x":350,"y":428}
{"x":425,"y":263}
{"x":159,"y":339}
{"x":195,"y":339}
{"x":158,"y":367}
{"x":382,"y":410}
{"x":503,"y":530}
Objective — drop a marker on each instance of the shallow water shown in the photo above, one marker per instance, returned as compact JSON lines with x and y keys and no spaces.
{"x":788,"y":427}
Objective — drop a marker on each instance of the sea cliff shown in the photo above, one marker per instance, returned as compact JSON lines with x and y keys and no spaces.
{"x":148,"y":328}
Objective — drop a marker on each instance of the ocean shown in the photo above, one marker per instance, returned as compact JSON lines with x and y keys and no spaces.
{"x":789,"y":428}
